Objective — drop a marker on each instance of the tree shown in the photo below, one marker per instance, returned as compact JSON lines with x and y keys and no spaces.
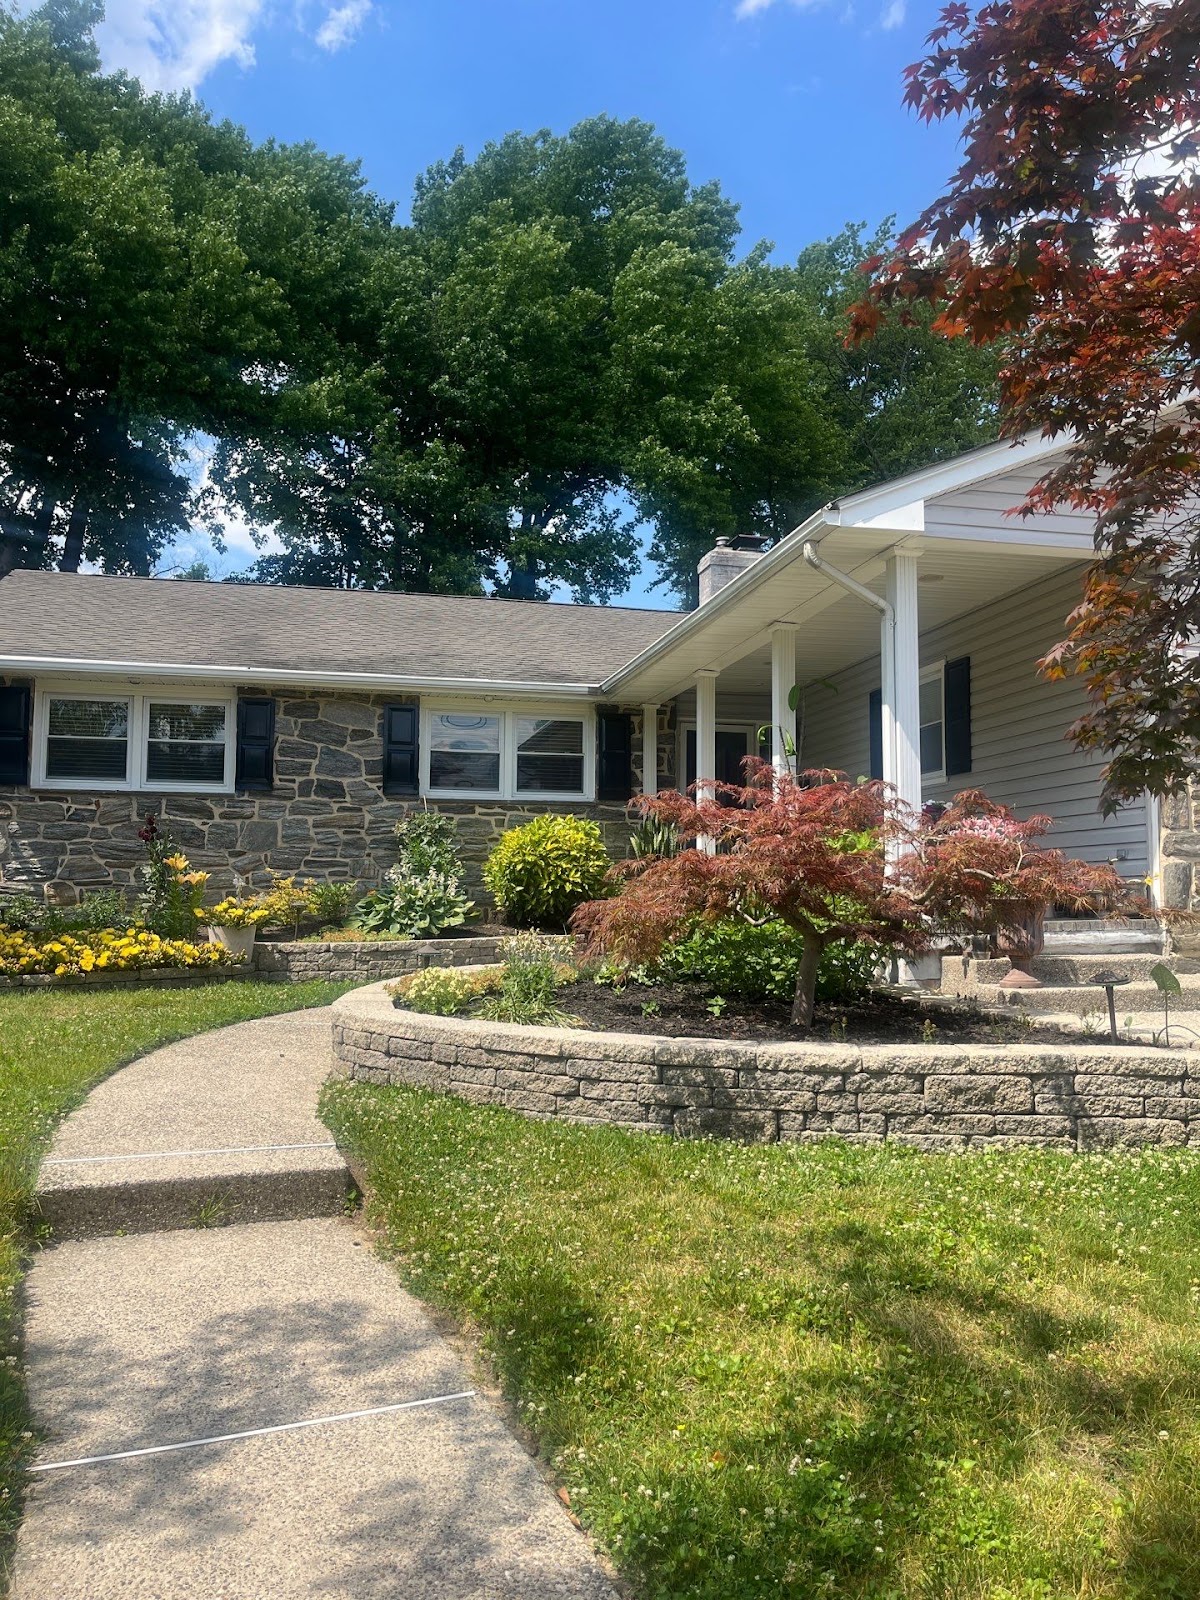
{"x":814,"y":852}
{"x":1071,"y":231}
{"x":158,"y":274}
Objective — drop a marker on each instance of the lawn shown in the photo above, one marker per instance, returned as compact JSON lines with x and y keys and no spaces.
{"x":823,"y":1369}
{"x":54,"y":1044}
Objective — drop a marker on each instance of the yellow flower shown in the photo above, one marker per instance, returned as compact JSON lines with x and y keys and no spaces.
{"x":179,"y":862}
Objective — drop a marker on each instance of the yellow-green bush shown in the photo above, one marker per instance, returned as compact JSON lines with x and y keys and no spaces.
{"x":443,"y":991}
{"x":68,"y":955}
{"x":539,"y":873}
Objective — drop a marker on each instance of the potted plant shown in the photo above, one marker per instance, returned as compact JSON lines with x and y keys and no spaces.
{"x":234,"y":923}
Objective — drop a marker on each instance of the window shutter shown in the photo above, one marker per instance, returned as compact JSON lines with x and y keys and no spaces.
{"x":614,"y":755}
{"x":15,"y":706}
{"x":401,"y":750}
{"x":875,"y":720}
{"x":256,"y":744}
{"x":958,"y":716}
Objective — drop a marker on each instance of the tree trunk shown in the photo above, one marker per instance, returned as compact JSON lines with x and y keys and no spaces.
{"x":806,"y":980}
{"x":73,"y":544}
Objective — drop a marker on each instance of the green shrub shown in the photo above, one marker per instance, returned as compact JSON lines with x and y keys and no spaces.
{"x":440,"y":991}
{"x":529,"y":983}
{"x":421,"y":895}
{"x":759,"y":961}
{"x":539,"y":873}
{"x":97,"y":910}
{"x":330,"y":903}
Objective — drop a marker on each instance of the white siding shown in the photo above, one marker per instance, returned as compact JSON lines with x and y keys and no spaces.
{"x":1020,"y":753}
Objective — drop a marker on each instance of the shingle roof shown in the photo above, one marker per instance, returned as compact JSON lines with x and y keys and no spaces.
{"x":73,"y":617}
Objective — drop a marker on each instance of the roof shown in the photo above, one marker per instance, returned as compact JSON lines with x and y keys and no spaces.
{"x":250,"y":631}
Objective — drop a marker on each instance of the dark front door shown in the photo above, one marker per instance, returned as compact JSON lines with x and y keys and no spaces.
{"x":731,"y":753}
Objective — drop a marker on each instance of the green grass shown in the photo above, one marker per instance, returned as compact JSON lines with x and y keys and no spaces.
{"x":54,"y":1045}
{"x":823,"y":1369}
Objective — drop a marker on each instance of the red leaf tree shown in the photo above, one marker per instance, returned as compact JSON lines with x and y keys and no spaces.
{"x":813,"y":851}
{"x":1072,"y":230}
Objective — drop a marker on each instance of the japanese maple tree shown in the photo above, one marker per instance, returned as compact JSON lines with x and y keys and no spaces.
{"x":814,"y":852}
{"x":1070,"y":230}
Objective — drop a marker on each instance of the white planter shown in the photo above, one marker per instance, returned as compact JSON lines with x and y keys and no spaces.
{"x":923,"y":971}
{"x":238,"y":941}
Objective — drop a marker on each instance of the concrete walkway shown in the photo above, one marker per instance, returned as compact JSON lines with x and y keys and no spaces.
{"x":162,"y":1338}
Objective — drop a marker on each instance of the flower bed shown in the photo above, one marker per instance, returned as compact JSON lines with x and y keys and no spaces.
{"x":105,"y":954}
{"x":938,"y":1097}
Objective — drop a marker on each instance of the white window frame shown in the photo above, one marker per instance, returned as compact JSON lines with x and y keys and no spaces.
{"x":138,"y":700}
{"x":508,"y":715}
{"x":936,"y":671}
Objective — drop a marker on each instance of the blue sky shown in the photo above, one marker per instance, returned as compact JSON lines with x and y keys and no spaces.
{"x":793,"y":105}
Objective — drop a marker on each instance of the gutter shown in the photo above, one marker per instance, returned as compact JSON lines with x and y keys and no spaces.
{"x":291,"y":676}
{"x":779,"y":555}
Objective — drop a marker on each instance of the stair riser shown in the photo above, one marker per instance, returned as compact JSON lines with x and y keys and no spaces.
{"x":1133,"y":997}
{"x":166,"y":1204}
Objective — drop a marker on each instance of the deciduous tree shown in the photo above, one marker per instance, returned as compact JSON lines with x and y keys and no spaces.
{"x":1072,"y":231}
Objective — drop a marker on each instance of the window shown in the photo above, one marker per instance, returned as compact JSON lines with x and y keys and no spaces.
{"x":549,"y":755}
{"x":464,"y":752}
{"x":508,"y":754}
{"x":185,"y":743}
{"x":933,"y":723}
{"x":88,"y":740}
{"x":106,"y":741}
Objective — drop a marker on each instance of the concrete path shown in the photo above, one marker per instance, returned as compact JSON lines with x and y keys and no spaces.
{"x":164,"y":1338}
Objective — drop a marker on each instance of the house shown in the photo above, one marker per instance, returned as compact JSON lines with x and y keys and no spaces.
{"x":288,"y":729}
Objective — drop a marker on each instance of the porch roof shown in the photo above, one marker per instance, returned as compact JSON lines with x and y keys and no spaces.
{"x":955,"y":518}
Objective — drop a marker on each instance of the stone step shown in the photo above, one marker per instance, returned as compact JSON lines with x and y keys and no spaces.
{"x":1084,"y":969}
{"x":1078,"y":998}
{"x":1135,"y":937}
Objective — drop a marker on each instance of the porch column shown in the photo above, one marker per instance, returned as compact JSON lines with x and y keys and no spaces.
{"x":650,"y":750}
{"x":902,"y":684}
{"x":783,"y":681}
{"x":706,"y":741}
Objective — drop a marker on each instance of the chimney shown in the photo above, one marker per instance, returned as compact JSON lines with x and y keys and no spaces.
{"x":724,"y":563}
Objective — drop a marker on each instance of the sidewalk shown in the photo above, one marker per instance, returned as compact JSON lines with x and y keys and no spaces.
{"x":169,"y":1337}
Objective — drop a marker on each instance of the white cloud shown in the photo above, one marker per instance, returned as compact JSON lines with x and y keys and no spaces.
{"x":175,"y":44}
{"x":751,"y":8}
{"x":342,"y":24}
{"x":894,"y":14}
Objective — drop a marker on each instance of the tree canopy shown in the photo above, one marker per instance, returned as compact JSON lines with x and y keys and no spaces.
{"x":1072,"y":231}
{"x":561,"y":343}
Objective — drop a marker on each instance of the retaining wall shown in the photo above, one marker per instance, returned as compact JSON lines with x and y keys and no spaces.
{"x":361,"y":962}
{"x":935,"y":1097}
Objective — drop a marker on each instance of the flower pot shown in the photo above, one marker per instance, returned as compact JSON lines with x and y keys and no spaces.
{"x":1021,"y":941}
{"x":238,"y":941}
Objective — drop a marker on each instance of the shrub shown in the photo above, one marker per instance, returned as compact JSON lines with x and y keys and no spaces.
{"x":98,"y":909}
{"x":285,"y":904}
{"x":330,"y":903}
{"x":760,"y":960}
{"x":540,"y":873}
{"x":68,"y":954}
{"x":529,"y":983}
{"x":440,"y":991}
{"x":422,"y":894}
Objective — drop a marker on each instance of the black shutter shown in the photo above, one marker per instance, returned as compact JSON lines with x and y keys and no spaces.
{"x":614,"y":755}
{"x":15,"y":706}
{"x":958,"y":716}
{"x":256,"y":744}
{"x":401,"y":750}
{"x":875,"y":722}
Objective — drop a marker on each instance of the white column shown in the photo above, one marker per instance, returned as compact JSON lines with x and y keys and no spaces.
{"x":650,"y":750}
{"x":902,"y":684}
{"x":783,"y":681}
{"x":706,"y":742}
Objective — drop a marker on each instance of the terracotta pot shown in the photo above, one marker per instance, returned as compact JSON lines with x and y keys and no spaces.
{"x":1024,"y":937}
{"x":238,"y":941}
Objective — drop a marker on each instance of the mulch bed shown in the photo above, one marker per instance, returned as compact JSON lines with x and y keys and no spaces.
{"x":681,"y":1010}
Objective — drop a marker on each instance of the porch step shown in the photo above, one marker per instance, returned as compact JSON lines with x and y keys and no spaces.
{"x":1067,"y":937}
{"x":1052,"y":967}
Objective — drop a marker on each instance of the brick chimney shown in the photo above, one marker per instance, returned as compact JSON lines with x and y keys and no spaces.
{"x":726,"y":561}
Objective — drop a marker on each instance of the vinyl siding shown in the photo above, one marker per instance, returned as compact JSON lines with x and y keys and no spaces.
{"x":1020,"y":753}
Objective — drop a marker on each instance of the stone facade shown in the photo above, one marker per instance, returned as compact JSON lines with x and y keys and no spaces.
{"x":935,"y":1097}
{"x":326,"y":817}
{"x":1180,"y":849}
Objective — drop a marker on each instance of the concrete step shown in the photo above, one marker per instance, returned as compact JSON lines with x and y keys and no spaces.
{"x":216,"y":1129}
{"x":1136,"y":937}
{"x":1084,"y":969}
{"x":1076,"y":998}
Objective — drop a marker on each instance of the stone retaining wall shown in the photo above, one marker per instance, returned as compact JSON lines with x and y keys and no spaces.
{"x":138,"y":977}
{"x":362,"y":962}
{"x":934,"y":1097}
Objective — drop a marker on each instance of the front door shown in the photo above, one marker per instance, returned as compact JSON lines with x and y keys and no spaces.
{"x":732,"y":750}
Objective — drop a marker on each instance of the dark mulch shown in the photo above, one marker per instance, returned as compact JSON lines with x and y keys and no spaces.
{"x":682,"y":1010}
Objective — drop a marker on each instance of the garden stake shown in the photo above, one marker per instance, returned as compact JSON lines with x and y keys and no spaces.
{"x":1109,"y":981}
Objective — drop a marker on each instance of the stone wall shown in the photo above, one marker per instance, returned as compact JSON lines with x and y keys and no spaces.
{"x":1180,"y":849}
{"x":326,"y":817}
{"x":346,"y":961}
{"x":935,"y":1097}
